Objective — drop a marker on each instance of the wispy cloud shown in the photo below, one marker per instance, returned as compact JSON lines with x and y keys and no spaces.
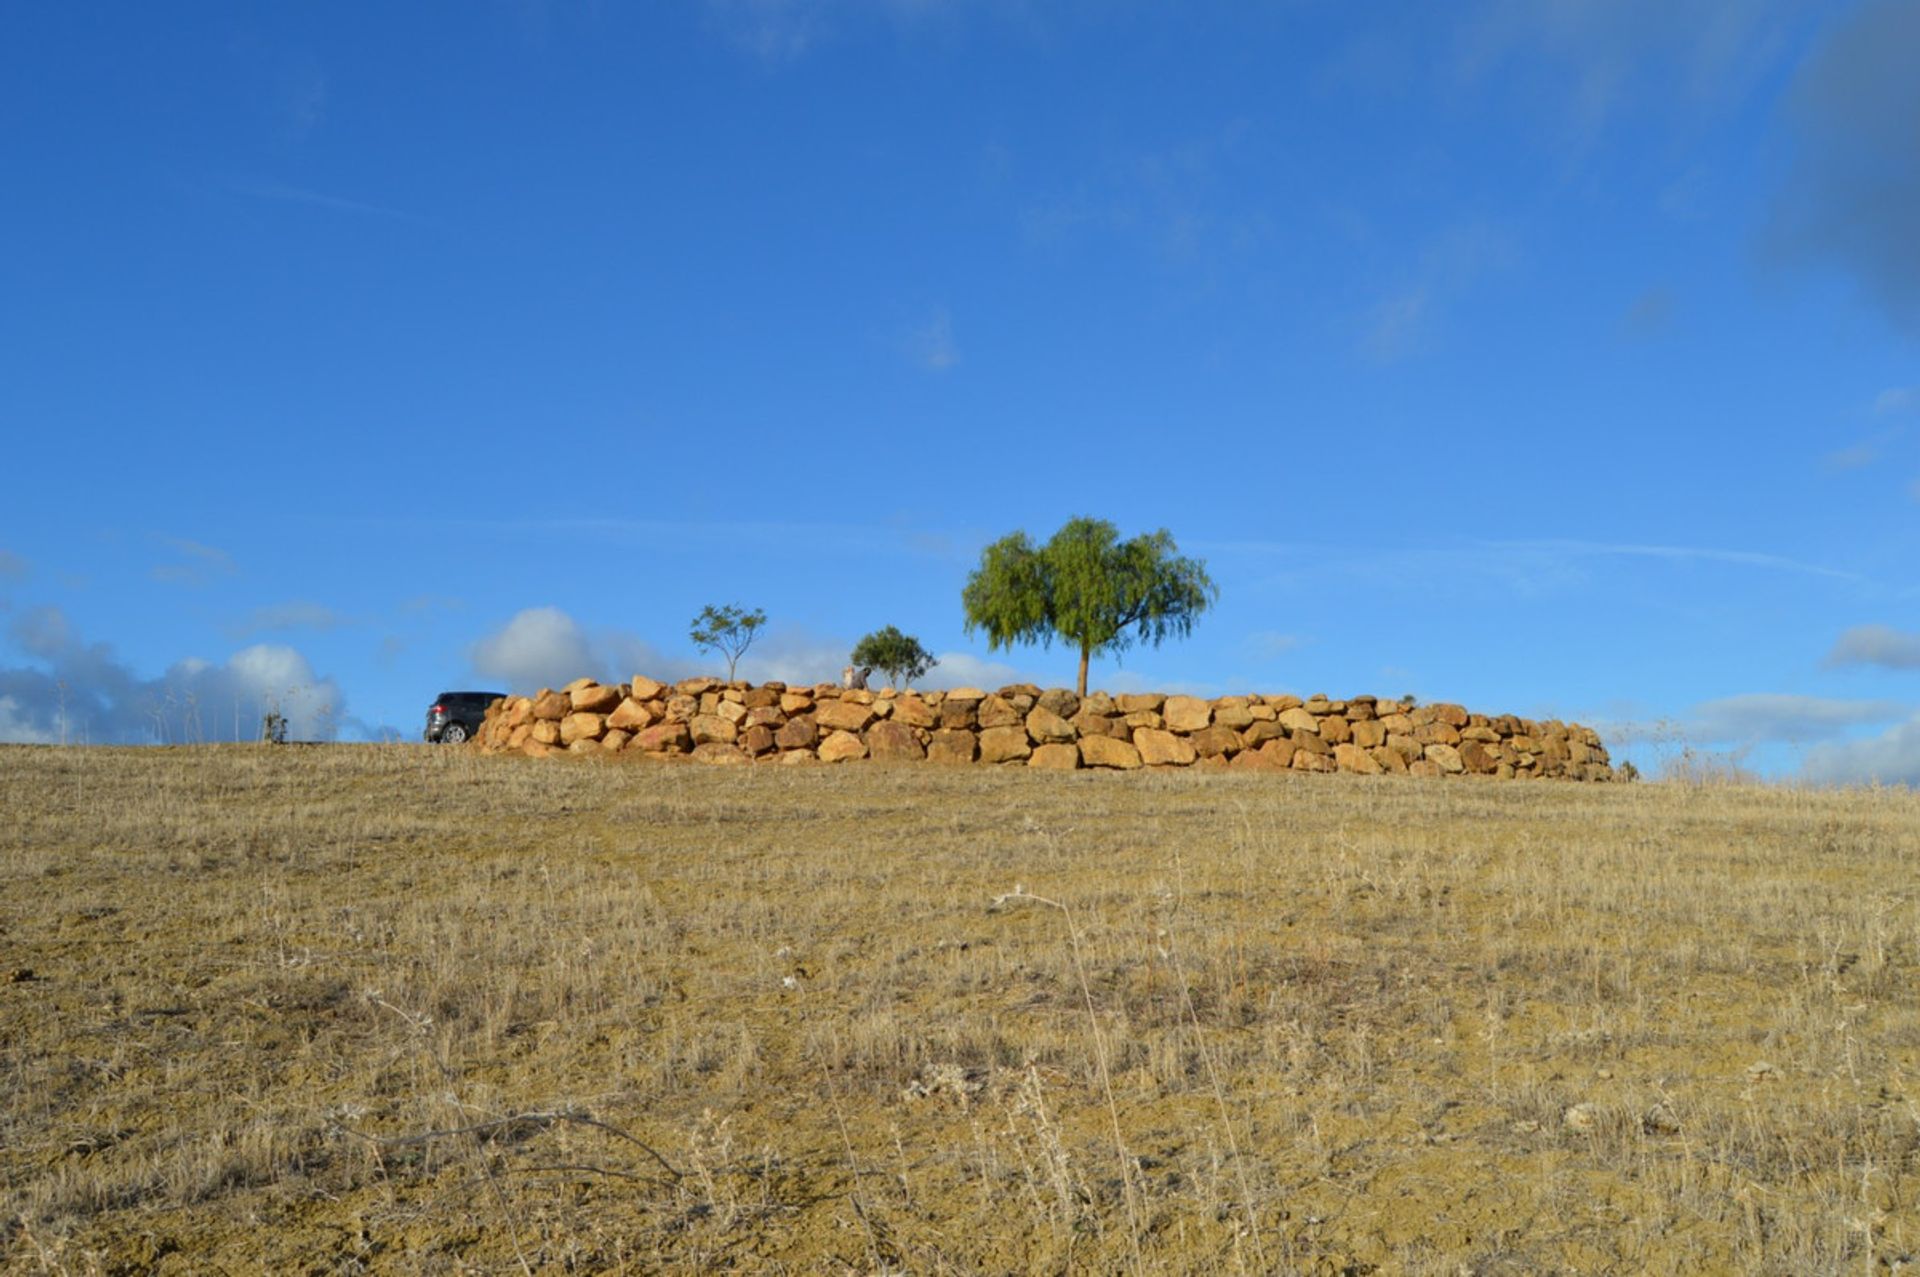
{"x":1650,"y":314}
{"x":282,"y":193}
{"x":1451,"y":264}
{"x":13,"y":567}
{"x":932,"y":345}
{"x":1897,"y":399}
{"x":294,"y":615}
{"x":1891,"y":758}
{"x":1880,"y":645}
{"x":1757,"y":718}
{"x":194,"y":565}
{"x":1271,"y":645}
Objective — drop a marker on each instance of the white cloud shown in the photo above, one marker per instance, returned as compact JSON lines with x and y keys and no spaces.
{"x":1893,"y":757}
{"x":539,"y":647}
{"x":1770,"y":716}
{"x":80,"y":692}
{"x":932,"y":347}
{"x":1897,"y":399}
{"x":1880,"y":645}
{"x":964,"y":669}
{"x":295,"y":615}
{"x":195,"y":564}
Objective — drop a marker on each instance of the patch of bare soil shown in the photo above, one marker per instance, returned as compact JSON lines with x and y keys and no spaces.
{"x":413,"y":1010}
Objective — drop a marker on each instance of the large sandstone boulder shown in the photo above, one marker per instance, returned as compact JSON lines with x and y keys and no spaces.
{"x":1047,"y":727}
{"x":552,"y":706}
{"x":761,"y":698}
{"x":594,"y":698}
{"x":766,"y":716}
{"x":1098,"y":703}
{"x":1161,"y":748}
{"x":1058,"y":700}
{"x":645,"y":689}
{"x":1088,"y":723}
{"x":1296,"y":719}
{"x":1446,"y":758}
{"x":1055,"y":757}
{"x":957,"y":713}
{"x":1140,"y":702}
{"x":519,"y":711}
{"x":1476,"y":758}
{"x":843,"y":715}
{"x":894,"y":741}
{"x":546,"y":731}
{"x":630,"y":715}
{"x":998,"y":711}
{"x":842,"y":746}
{"x":798,"y":733}
{"x":1311,"y":743}
{"x":1234,"y":712}
{"x":1262,"y":730}
{"x":1272,"y":756}
{"x":1349,"y":757}
{"x":712,"y":729}
{"x":952,"y":745}
{"x":582,"y":726}
{"x":1335,"y":729}
{"x":681,"y":709}
{"x":615,"y":741}
{"x":1186,"y":714}
{"x":718,"y":754}
{"x":1004,"y":745}
{"x":792,"y":703}
{"x":1369,"y":733}
{"x":1216,"y":741}
{"x":1106,"y":751}
{"x":914,"y":712}
{"x":757,"y":740}
{"x":662,"y":738}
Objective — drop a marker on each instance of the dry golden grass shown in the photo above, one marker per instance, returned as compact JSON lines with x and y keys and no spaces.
{"x":411,"y":1010}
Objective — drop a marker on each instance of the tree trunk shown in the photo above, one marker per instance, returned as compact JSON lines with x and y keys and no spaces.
{"x":1085,"y":652}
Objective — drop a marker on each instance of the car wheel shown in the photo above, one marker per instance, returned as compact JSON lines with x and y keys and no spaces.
{"x":453,"y":734}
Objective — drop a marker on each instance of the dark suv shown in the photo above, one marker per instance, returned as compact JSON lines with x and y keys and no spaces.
{"x":456,"y":716}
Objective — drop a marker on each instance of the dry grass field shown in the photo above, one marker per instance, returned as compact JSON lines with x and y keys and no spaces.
{"x":396,"y":1009}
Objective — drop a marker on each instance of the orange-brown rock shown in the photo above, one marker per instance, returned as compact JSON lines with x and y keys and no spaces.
{"x":1446,"y":758}
{"x":630,"y":715}
{"x":952,"y":745}
{"x":681,"y":709}
{"x":757,"y":740}
{"x":615,"y":741}
{"x":1004,"y":745}
{"x":733,"y":711}
{"x":1349,"y":757}
{"x":583,"y":726}
{"x":1088,"y":723}
{"x":1098,"y":703}
{"x":711,"y":729}
{"x":1454,"y":716}
{"x":662,"y":738}
{"x":585,"y":745}
{"x":1215,"y":742}
{"x":797,"y":733}
{"x":552,"y":706}
{"x":997,"y":711}
{"x":1234,"y":712}
{"x":1262,"y":730}
{"x":645,"y":689}
{"x":520,"y":736}
{"x":914,"y":712}
{"x":1159,"y":748}
{"x":519,"y":711}
{"x":1186,"y":714}
{"x":1047,"y":727}
{"x":594,"y":698}
{"x":766,"y":716}
{"x":718,"y":754}
{"x":1296,"y":719}
{"x":894,"y":741}
{"x":1368,"y":733}
{"x":760,"y":698}
{"x":1058,"y":700}
{"x":1055,"y":756}
{"x":792,"y":703}
{"x":1140,"y":702}
{"x":842,"y":746}
{"x":546,"y":731}
{"x":957,"y":713}
{"x":1107,"y":751}
{"x":1273,"y":756}
{"x":1335,"y":730}
{"x":1476,"y":758}
{"x":843,"y":715}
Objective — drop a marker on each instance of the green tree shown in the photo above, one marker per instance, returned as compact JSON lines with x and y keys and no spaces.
{"x":1088,"y":589}
{"x":727,"y":631}
{"x":899,"y":656}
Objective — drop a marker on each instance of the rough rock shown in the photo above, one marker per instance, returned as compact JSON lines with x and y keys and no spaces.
{"x":1106,"y":751}
{"x":645,"y":689}
{"x":1055,"y":757}
{"x":952,"y":745}
{"x":798,"y":733}
{"x":1446,"y":758}
{"x":1351,"y":758}
{"x":894,"y":741}
{"x":1140,"y":702}
{"x":1296,"y":719}
{"x":1186,"y":714}
{"x":997,"y":711}
{"x":663,"y":738}
{"x":718,"y":754}
{"x":552,"y":706}
{"x":757,"y":740}
{"x":594,"y":698}
{"x":1159,"y":748}
{"x":615,"y":741}
{"x":1215,"y":742}
{"x":1089,"y":723}
{"x":1058,"y":700}
{"x":914,"y":712}
{"x":1047,"y":727}
{"x":733,"y":711}
{"x":843,"y":715}
{"x":712,"y":729}
{"x":1369,"y":733}
{"x":630,"y":715}
{"x":841,"y":746}
{"x":1335,"y":730}
{"x":581,"y":727}
{"x":1004,"y":745}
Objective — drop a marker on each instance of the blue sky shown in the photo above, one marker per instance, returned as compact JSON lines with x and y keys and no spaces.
{"x":1560,"y":359}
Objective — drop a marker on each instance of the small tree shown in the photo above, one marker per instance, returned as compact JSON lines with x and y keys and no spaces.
{"x":1088,"y":588}
{"x":899,"y":656}
{"x":726,"y":631}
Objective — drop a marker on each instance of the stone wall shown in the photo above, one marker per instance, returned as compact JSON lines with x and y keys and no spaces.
{"x":714,"y":722}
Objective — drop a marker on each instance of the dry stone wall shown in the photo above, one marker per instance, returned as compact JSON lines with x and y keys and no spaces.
{"x":740,"y":723}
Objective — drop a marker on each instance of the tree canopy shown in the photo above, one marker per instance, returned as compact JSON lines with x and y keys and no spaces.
{"x":727,"y":631}
{"x":899,"y":656}
{"x":1087,"y":588}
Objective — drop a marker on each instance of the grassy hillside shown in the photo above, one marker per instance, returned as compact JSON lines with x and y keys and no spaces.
{"x":412,"y":1010}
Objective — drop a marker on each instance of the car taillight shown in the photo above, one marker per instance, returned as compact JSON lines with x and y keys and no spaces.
{"x":438,"y":709}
